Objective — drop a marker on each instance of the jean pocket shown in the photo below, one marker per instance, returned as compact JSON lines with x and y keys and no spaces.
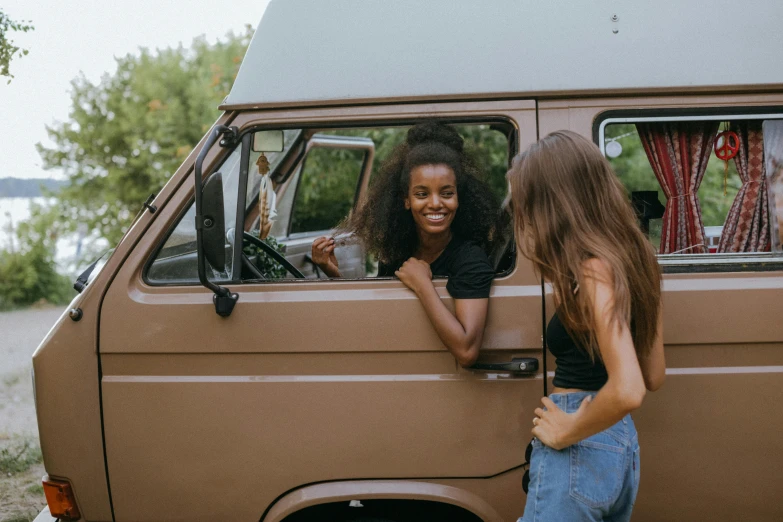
{"x":597,"y":471}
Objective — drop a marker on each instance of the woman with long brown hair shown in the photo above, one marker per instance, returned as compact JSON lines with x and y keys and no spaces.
{"x":574,"y":221}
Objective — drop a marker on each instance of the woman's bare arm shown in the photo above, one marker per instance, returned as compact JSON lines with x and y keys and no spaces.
{"x":461,"y":333}
{"x":625,"y":387}
{"x":654,"y":364}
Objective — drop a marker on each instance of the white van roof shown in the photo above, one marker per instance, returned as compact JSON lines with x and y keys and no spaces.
{"x":308,"y":52}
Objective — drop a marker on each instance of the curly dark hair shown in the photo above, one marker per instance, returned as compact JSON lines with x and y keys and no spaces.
{"x":387,"y":228}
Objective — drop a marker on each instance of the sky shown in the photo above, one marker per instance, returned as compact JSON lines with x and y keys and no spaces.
{"x":84,"y":37}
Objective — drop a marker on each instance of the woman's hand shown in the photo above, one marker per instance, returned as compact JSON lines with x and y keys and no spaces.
{"x":553,"y":426}
{"x":322,"y":254}
{"x":415,"y":274}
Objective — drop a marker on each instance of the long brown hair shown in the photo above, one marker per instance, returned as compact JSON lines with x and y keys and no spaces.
{"x":570,"y":207}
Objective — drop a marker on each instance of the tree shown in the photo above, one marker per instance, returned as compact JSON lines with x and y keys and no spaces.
{"x":7,"y":48}
{"x":488,"y":147}
{"x":129,"y":132}
{"x":29,"y":273}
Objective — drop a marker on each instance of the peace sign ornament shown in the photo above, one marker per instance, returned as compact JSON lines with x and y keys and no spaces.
{"x":726,"y":145}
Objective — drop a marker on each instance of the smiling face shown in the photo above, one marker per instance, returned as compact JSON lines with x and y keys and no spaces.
{"x":432,"y":198}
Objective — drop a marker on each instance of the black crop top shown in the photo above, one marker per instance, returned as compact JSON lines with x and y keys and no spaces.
{"x":465,"y":264}
{"x":574,"y":367}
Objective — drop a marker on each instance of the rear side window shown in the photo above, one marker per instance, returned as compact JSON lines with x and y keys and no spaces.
{"x":707,"y":187}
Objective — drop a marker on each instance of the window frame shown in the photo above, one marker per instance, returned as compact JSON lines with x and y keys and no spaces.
{"x":698,"y":263}
{"x":512,"y":142}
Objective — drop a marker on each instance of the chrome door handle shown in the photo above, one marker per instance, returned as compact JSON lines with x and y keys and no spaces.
{"x":517,"y":365}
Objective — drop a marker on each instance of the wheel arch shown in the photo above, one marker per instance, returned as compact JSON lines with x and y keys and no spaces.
{"x":403,"y":490}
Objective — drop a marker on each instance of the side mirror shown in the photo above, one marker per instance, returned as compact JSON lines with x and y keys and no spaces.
{"x":210,"y":223}
{"x":213,"y":223}
{"x":268,"y":141}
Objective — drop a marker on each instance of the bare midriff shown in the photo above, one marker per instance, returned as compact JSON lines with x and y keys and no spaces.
{"x":558,"y":389}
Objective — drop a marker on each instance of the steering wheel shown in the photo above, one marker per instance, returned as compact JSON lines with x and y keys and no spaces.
{"x":271,"y":252}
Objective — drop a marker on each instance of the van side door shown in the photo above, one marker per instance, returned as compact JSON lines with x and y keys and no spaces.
{"x":312,"y":380}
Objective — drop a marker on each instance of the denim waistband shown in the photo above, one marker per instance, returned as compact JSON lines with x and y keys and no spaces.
{"x":569,"y":402}
{"x":624,"y":431}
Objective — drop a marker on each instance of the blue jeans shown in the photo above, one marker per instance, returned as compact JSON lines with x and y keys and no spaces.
{"x":595,"y":479}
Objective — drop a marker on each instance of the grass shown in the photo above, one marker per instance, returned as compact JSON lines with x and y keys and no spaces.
{"x":19,"y":456}
{"x":35,"y":489}
{"x":21,"y":495}
{"x":21,"y":466}
{"x":18,"y":517}
{"x":12,"y":380}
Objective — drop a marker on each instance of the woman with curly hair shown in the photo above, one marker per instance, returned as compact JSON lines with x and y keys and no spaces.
{"x":574,"y":221}
{"x":428,"y":214}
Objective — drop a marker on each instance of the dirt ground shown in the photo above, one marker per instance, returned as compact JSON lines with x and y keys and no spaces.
{"x":21,"y":469}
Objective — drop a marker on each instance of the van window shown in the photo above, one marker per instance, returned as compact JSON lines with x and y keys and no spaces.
{"x":703,"y":186}
{"x":318,"y":179}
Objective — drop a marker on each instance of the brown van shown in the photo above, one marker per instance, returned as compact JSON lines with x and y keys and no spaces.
{"x":210,"y":371}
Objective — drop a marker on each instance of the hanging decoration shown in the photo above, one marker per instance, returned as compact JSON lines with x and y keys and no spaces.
{"x":266,"y":199}
{"x":614,"y":149}
{"x":726,"y":147}
{"x":612,"y":146}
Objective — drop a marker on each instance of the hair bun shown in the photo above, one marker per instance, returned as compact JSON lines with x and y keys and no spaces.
{"x":435,"y":132}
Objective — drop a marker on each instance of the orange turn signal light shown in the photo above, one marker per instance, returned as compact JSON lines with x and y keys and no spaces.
{"x":59,"y":497}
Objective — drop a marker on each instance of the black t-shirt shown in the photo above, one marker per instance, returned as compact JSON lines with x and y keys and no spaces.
{"x":465,"y":264}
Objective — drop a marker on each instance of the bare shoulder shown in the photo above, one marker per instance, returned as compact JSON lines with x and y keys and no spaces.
{"x":598,"y":283}
{"x":597,"y":272}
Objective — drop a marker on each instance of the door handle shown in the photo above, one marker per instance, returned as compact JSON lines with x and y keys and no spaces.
{"x":517,"y":366}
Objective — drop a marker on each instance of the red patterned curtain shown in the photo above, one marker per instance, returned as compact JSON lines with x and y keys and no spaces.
{"x":678,"y":153}
{"x":773,"y":164}
{"x":747,"y":225}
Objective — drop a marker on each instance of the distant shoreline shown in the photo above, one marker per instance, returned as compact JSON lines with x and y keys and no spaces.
{"x":28,"y":188}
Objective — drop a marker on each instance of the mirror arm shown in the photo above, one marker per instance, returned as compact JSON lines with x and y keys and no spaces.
{"x":230,"y":135}
{"x":223,"y":299}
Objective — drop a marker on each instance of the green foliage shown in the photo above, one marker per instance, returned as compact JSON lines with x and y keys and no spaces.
{"x":129,"y":132}
{"x":488,"y":147}
{"x":632,"y":166}
{"x":326,"y":189}
{"x":8,"y":50}
{"x":268,"y":266}
{"x":715,"y":205}
{"x":385,"y":140}
{"x":29,"y":273}
{"x":19,"y":457}
{"x":35,"y":489}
